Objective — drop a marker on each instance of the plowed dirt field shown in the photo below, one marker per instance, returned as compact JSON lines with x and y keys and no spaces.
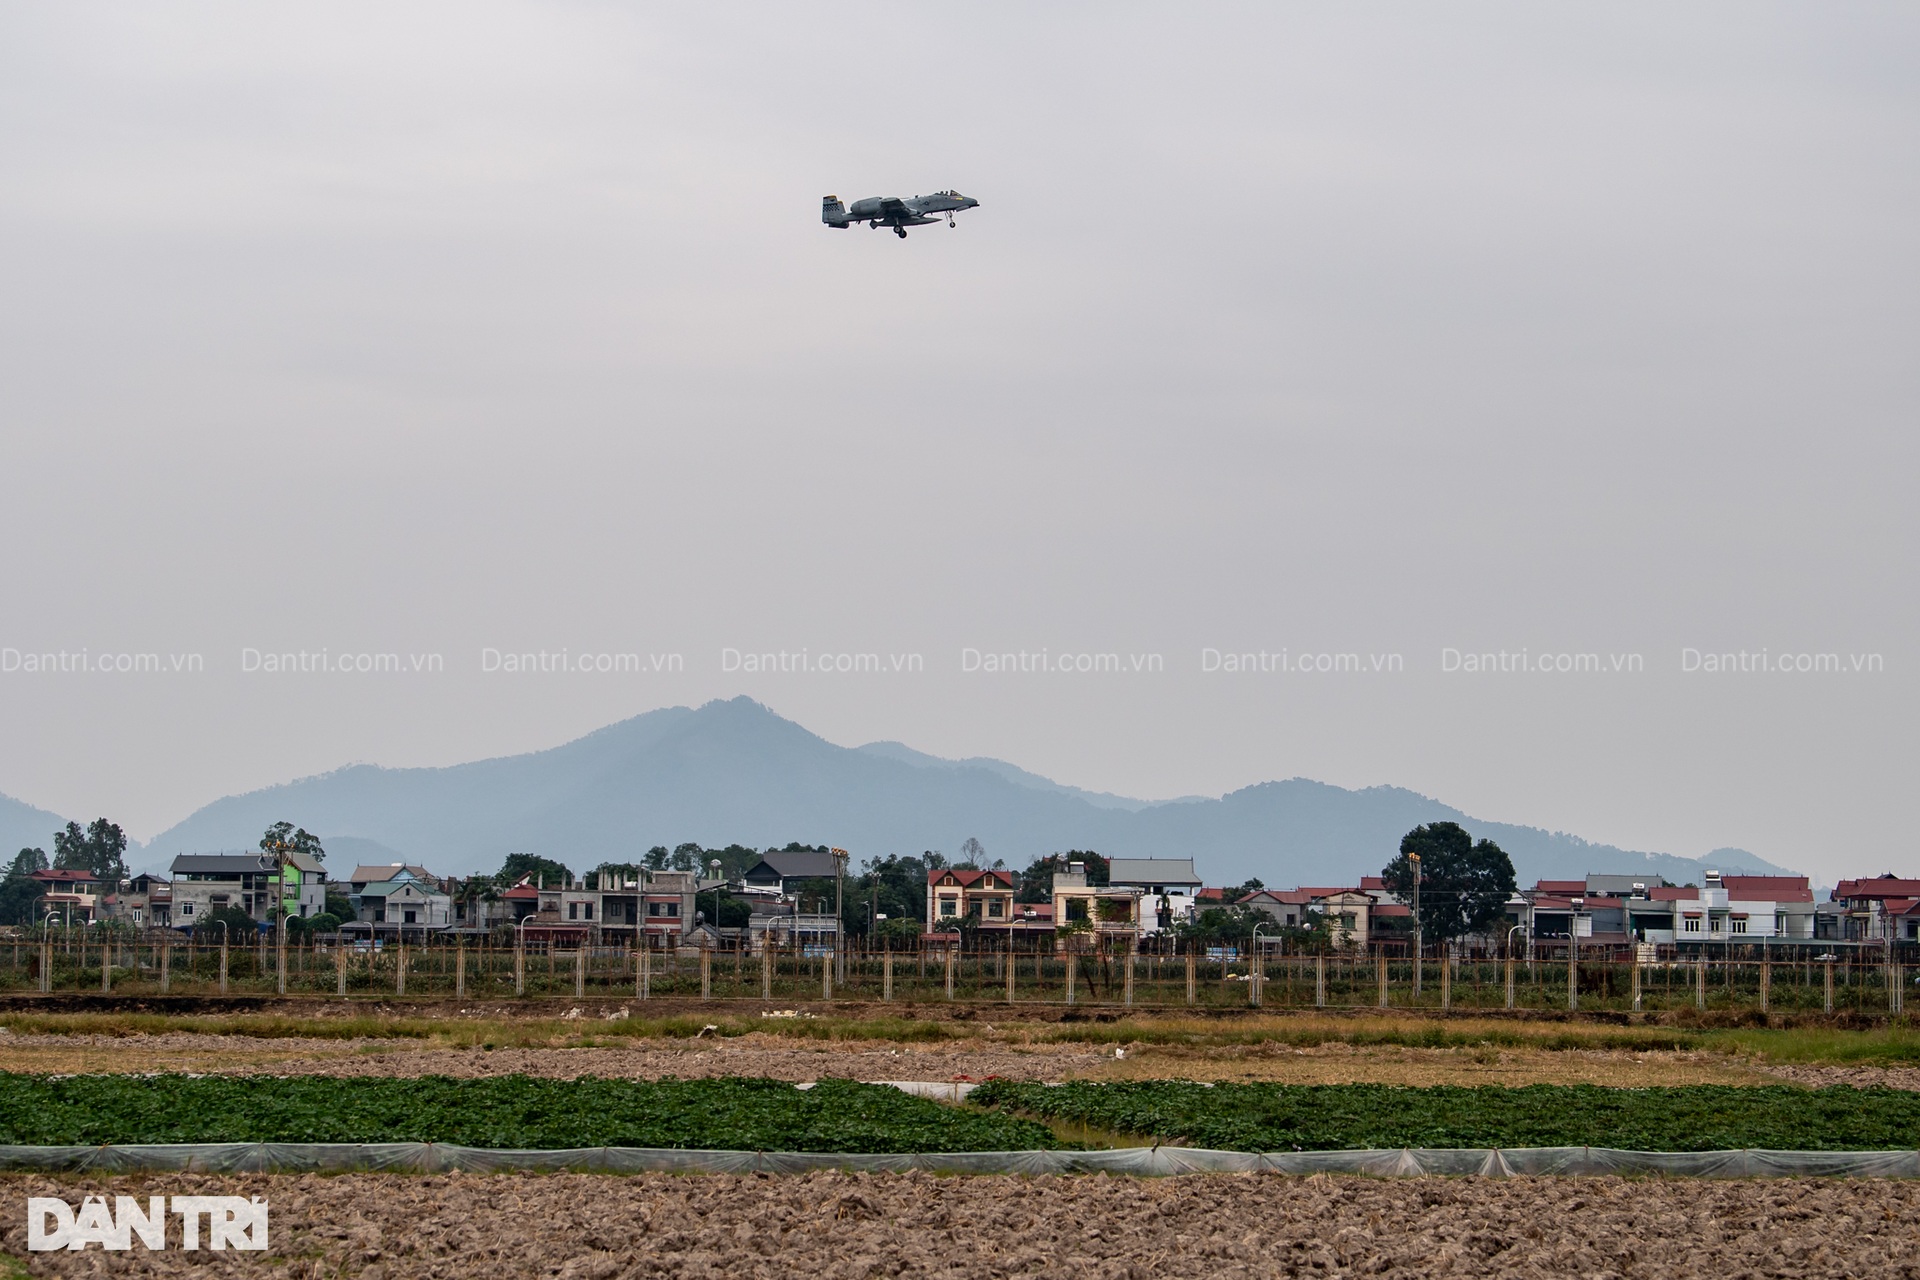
{"x":592,"y":1227}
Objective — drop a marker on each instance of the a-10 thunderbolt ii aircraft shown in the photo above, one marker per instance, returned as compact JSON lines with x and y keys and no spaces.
{"x":892,"y":211}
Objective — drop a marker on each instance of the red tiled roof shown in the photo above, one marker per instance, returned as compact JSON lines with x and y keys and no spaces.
{"x":63,"y":876}
{"x":1318,"y":892}
{"x":968,"y":879}
{"x":1372,"y":882}
{"x":1672,"y":894}
{"x":1572,"y":888}
{"x":1773,"y":887}
{"x":1292,"y":897}
{"x":1878,"y":887}
{"x":521,"y":892}
{"x":1392,"y":909}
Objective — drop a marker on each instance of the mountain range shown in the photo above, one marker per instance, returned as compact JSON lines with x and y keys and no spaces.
{"x":734,"y":771}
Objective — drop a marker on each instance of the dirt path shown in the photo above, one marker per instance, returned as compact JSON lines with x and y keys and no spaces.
{"x":790,"y":1058}
{"x":586,"y":1227}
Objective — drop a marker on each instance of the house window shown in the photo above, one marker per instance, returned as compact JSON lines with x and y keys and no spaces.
{"x":1693,"y":924}
{"x":1740,"y":925}
{"x":673,"y":910}
{"x":948,"y":908}
{"x":1780,"y":923}
{"x":653,"y":908}
{"x":586,"y":909}
{"x":996,"y":908}
{"x":407,"y":918}
{"x":186,"y":908}
{"x":1076,"y":908}
{"x":573,"y":911}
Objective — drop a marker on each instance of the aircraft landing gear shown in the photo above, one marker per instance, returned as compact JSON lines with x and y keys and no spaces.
{"x":949,"y":222}
{"x":901,"y":232}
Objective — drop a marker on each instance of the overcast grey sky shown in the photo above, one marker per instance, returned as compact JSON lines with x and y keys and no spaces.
{"x":1356,"y":329}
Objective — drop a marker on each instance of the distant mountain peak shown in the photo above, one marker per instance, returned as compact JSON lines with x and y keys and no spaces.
{"x":734,"y":770}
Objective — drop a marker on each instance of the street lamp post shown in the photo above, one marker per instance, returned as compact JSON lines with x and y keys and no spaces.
{"x":1418,"y":939}
{"x":839,"y":939}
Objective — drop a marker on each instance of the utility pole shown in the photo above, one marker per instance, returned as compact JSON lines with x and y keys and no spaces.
{"x":839,"y":914}
{"x":278,"y":848}
{"x":1417,"y":932}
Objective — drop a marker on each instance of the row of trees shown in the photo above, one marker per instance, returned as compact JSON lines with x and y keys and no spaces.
{"x":1464,"y":884}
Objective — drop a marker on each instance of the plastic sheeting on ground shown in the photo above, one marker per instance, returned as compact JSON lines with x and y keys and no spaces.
{"x":428,"y":1157}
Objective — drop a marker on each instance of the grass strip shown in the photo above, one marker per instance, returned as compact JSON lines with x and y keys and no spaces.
{"x":1278,"y":1117}
{"x":499,"y":1112}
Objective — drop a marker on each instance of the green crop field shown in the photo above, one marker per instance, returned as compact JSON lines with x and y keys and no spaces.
{"x":1272,"y":1117}
{"x":498,"y":1112}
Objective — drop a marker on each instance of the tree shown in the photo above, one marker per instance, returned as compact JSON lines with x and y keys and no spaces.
{"x":240,"y":926}
{"x":973,"y":855}
{"x":518,"y":866}
{"x":1464,"y":886}
{"x":656,"y":858}
{"x":686,"y":857}
{"x":100,"y":850}
{"x":19,"y":890}
{"x":294,"y":840}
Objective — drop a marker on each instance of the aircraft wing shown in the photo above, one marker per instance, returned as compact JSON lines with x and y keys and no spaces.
{"x":895,"y":207}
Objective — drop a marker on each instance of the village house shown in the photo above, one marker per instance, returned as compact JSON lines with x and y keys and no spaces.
{"x":69,"y":896}
{"x":1167,"y":887}
{"x":1106,"y":912}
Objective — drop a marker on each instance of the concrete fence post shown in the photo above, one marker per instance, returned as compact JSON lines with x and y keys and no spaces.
{"x":580,"y":971}
{"x":223,"y":963}
{"x":1510,"y":992}
{"x":106,"y":967}
{"x":1446,"y":983}
{"x":886,"y":976}
{"x":706,"y":972}
{"x":1636,"y":982}
{"x":1573,"y":980}
{"x":1828,"y":1002}
{"x":950,"y":952}
{"x":460,"y":969}
{"x":826,"y":978}
{"x":166,"y":968}
{"x":1011,"y":966}
{"x":1380,"y":973}
{"x":643,"y":970}
{"x":1192,"y":978}
{"x":1766,"y":986}
{"x":1320,"y":982}
{"x":1700,"y":983}
{"x":340,"y":967}
{"x":400,"y":972}
{"x":1128,"y":986}
{"x":519,"y":964}
{"x":1070,"y":971}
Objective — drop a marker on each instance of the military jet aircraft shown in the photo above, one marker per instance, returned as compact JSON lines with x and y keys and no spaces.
{"x":892,"y":211}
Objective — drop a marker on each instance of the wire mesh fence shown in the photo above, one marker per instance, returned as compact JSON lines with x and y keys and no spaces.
{"x":1862,"y":980}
